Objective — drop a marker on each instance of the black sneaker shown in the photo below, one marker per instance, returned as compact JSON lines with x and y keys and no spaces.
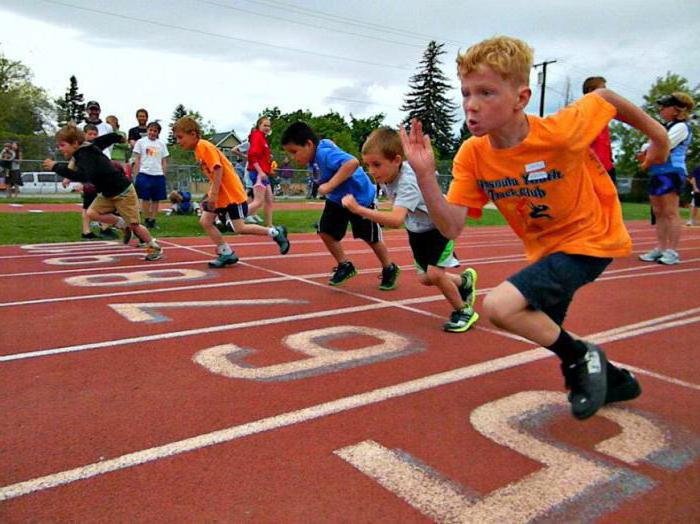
{"x":587,"y":381}
{"x":109,"y":233}
{"x":622,"y":385}
{"x":127,"y":235}
{"x":150,"y":223}
{"x":342,"y":273}
{"x":461,"y":320}
{"x":390,"y":275}
{"x":224,"y":260}
{"x":282,"y":240}
{"x":89,"y":236}
{"x":467,"y":289}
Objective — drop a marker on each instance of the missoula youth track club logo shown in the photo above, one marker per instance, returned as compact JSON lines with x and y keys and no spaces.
{"x":526,"y":186}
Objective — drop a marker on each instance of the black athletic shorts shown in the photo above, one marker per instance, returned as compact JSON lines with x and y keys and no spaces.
{"x":232,"y":212}
{"x":549,"y":284}
{"x":335,"y":219}
{"x":430,"y":248}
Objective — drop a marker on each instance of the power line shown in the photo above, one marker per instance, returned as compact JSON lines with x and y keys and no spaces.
{"x":307,"y":24}
{"x":219,"y":35}
{"x":324,"y":15}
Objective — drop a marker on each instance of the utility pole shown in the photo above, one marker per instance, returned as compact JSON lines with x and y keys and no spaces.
{"x":542,"y":81}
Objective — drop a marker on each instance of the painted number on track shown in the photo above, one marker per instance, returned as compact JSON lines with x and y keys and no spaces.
{"x":228,"y":359}
{"x":136,"y":277}
{"x":572,"y":486}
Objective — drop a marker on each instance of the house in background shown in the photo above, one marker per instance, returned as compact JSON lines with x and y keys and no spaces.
{"x":226,"y":142}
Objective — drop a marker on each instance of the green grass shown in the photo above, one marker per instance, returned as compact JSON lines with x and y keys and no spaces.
{"x":32,"y":228}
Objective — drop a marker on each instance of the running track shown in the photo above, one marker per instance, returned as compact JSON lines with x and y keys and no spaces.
{"x":162,"y":392}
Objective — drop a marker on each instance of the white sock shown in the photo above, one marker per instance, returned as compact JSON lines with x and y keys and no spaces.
{"x":273,"y":232}
{"x":223,"y":249}
{"x":153,"y":242}
{"x":121,"y":223}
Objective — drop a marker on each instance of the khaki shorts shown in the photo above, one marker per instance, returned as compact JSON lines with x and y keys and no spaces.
{"x":127,"y":204}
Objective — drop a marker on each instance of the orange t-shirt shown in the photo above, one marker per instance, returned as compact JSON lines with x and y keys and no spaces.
{"x":231,"y":190}
{"x":551,"y":188}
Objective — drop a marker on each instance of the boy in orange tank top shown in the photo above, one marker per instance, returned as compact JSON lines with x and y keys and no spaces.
{"x":555,"y":195}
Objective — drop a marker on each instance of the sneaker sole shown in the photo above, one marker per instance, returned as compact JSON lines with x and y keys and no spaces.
{"x":225,"y":264}
{"x":335,"y":284}
{"x":472,"y":321}
{"x":152,"y":259}
{"x":471,"y":271}
{"x":395,"y":284}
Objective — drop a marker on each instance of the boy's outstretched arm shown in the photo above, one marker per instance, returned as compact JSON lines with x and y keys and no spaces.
{"x":393,"y":218}
{"x":627,"y":112}
{"x":448,"y":218}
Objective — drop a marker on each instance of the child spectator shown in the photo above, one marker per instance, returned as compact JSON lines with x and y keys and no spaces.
{"x":120,"y":152}
{"x":151,"y":164}
{"x":226,"y":196}
{"x":88,"y":165}
{"x":432,"y":252}
{"x":260,"y":169}
{"x":666,"y":178}
{"x":7,"y":155}
{"x":340,"y":175}
{"x":554,"y":194}
{"x":181,"y":203}
{"x":601,"y":145}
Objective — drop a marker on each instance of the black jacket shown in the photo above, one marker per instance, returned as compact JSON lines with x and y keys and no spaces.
{"x":90,"y":166}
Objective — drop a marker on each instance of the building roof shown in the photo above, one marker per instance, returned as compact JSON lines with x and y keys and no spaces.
{"x":219,"y":138}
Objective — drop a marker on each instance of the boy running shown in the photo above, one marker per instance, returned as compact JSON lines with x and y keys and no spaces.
{"x":553,"y":192}
{"x":226,"y":196}
{"x":432,"y":252}
{"x":87,"y":164}
{"x":340,"y":175}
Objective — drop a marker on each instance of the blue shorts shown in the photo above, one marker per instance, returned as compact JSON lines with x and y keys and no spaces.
{"x":549,"y":284}
{"x":253,"y":175}
{"x":664,"y":183}
{"x":150,"y":187}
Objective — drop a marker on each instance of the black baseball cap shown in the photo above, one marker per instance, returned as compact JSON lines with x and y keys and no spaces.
{"x":670,"y":101}
{"x":92,"y":103}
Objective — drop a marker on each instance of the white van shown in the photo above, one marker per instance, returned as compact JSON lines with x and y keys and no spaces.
{"x":45,"y":182}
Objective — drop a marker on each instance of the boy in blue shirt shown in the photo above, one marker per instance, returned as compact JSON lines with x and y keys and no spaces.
{"x":340,"y":175}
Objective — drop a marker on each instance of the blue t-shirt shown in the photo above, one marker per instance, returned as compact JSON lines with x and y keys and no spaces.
{"x":329,"y":158}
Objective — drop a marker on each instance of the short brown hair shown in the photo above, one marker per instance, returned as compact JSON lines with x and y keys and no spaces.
{"x":70,"y":133}
{"x":386,"y":141}
{"x":187,"y":124}
{"x":592,"y":83}
{"x":509,"y":57}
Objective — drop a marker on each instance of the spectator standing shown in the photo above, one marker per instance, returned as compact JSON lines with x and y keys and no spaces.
{"x":103,"y":128}
{"x":15,"y":179}
{"x":150,"y":166}
{"x":260,"y":168}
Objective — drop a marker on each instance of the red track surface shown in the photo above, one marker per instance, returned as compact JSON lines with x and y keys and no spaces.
{"x":108,"y":414}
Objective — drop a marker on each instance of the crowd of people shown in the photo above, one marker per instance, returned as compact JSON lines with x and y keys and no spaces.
{"x":551,"y":178}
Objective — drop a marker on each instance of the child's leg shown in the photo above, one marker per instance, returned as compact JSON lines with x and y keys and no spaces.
{"x":86,"y":223}
{"x":207,"y":222}
{"x":382,"y":252}
{"x":267,"y":207}
{"x":447,"y":283}
{"x":334,"y":247}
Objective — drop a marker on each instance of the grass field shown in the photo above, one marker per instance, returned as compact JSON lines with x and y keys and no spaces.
{"x":29,"y":228}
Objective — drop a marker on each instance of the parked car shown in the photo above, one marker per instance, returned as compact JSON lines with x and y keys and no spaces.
{"x":46,"y":182}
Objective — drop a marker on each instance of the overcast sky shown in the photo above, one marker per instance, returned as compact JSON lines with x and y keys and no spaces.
{"x":229,"y":59}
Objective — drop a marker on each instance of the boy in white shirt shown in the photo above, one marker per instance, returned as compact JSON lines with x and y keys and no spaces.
{"x":150,"y":162}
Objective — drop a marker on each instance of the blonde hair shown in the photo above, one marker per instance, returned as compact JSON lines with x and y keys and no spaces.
{"x":187,"y":124}
{"x":70,"y":133}
{"x":509,"y":57}
{"x":386,"y":141}
{"x":688,"y":104}
{"x":112,"y":118}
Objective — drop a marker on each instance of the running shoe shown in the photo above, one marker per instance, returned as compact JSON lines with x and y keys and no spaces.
{"x":652,"y":256}
{"x":622,"y":385}
{"x":669,"y":258}
{"x":587,"y":381}
{"x":461,"y":320}
{"x":389,"y":276}
{"x":153,"y":252}
{"x":89,"y":236}
{"x":467,"y":289}
{"x":342,"y":273}
{"x":282,"y":240}
{"x":224,"y":260}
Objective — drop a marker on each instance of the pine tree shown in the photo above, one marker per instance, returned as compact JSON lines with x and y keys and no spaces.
{"x":179,"y":112}
{"x":71,"y":106}
{"x":428,"y":102}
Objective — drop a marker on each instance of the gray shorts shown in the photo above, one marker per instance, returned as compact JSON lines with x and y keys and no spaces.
{"x":549,"y":284}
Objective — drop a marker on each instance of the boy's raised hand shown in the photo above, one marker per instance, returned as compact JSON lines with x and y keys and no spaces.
{"x":48,"y":164}
{"x":349,"y":202}
{"x":418,"y":150}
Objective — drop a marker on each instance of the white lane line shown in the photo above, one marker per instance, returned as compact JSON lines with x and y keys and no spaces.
{"x":288,"y":419}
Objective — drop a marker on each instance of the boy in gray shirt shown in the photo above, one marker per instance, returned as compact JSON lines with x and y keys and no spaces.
{"x":432,"y":252}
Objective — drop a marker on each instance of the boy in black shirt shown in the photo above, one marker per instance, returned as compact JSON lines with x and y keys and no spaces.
{"x":87,"y":164}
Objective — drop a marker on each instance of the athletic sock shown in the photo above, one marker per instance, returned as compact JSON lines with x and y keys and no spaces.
{"x":153,"y":242}
{"x":568,"y":349}
{"x":223,"y":249}
{"x":121,"y":223}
